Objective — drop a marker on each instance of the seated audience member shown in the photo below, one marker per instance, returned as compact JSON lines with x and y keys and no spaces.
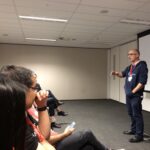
{"x":12,"y":114}
{"x":80,"y":140}
{"x":53,"y":104}
{"x":35,"y":137}
{"x":52,"y":99}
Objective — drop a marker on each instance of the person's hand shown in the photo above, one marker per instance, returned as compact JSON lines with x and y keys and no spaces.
{"x":114,"y":73}
{"x":130,"y":94}
{"x":69,"y":131}
{"x":41,"y":98}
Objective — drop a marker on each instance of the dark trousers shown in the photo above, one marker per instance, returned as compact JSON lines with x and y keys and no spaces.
{"x":52,"y":105}
{"x":81,"y":140}
{"x":134,"y":106}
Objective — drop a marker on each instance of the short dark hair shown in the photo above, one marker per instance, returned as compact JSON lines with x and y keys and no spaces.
{"x":12,"y":113}
{"x":18,"y":73}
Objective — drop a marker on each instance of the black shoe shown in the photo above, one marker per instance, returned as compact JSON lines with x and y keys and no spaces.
{"x":128,"y":132}
{"x":55,"y":125}
{"x":136,"y":139}
{"x":62,"y":113}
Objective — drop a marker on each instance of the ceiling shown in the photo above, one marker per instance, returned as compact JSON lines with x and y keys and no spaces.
{"x":87,"y":26}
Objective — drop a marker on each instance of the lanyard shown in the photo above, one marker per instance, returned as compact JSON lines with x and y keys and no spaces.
{"x":36,"y":130}
{"x":131,"y":69}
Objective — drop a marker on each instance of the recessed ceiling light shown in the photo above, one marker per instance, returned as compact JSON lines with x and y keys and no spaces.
{"x":43,"y":19}
{"x":135,"y":21}
{"x":104,"y":11}
{"x":61,"y":38}
{"x":67,"y":39}
{"x":5,"y":34}
{"x":39,"y":39}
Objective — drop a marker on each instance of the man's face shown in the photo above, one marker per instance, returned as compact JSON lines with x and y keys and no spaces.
{"x":31,"y":93}
{"x":133,"y":55}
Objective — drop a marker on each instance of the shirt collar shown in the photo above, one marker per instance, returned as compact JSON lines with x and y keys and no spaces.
{"x":136,"y":63}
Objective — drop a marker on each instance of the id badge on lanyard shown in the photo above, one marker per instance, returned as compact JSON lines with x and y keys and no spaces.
{"x":130,"y":75}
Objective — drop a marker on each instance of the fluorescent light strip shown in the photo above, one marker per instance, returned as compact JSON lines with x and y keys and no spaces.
{"x":43,"y":19}
{"x":38,"y":39}
{"x":138,"y":22}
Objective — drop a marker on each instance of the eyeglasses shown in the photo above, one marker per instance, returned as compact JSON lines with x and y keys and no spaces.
{"x":131,"y":54}
{"x":34,"y":88}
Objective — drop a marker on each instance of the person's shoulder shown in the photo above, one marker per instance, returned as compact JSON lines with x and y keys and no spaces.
{"x":128,"y":67}
{"x":142,"y":62}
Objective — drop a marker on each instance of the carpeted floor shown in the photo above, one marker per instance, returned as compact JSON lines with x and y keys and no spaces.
{"x":106,"y":118}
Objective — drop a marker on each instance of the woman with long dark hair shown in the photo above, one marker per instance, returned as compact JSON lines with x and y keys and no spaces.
{"x":12,"y":114}
{"x":20,"y":95}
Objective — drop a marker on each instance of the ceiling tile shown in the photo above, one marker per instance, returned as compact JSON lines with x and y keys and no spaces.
{"x":13,"y":36}
{"x":83,"y":27}
{"x":42,"y":25}
{"x":89,"y":23}
{"x":128,"y":28}
{"x":43,"y":31}
{"x":145,"y":8}
{"x":47,"y":5}
{"x":96,"y":18}
{"x":140,"y":16}
{"x":79,"y":30}
{"x":40,"y":36}
{"x":65,"y":1}
{"x":143,"y":1}
{"x":75,"y":35}
{"x":96,"y":10}
{"x":119,"y":4}
{"x":4,"y":15}
{"x":6,"y":2}
{"x":43,"y":13}
{"x":87,"y":27}
{"x":7,"y":9}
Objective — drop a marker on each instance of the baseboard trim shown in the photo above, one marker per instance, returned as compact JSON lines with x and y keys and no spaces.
{"x":83,"y":99}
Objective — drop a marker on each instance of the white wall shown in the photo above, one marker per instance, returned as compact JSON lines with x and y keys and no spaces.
{"x":71,"y":73}
{"x":108,"y":73}
{"x":114,"y":81}
{"x":116,"y":85}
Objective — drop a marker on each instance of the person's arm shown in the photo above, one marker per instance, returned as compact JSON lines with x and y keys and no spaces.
{"x":137,"y":88}
{"x":44,"y":121}
{"x":55,"y":138}
{"x":118,"y":74}
{"x":143,"y":75}
{"x":45,"y":146}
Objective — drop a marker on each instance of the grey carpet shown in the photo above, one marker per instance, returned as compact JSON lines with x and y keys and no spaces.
{"x":106,"y":118}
